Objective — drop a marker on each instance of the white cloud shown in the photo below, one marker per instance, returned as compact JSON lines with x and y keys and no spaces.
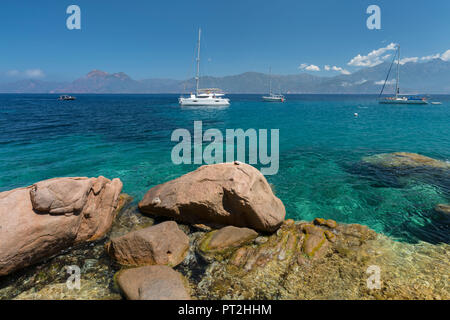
{"x":30,"y":73}
{"x":13,"y":73}
{"x":431,"y":57}
{"x":360,"y":82}
{"x":335,"y":68}
{"x":343,"y":71}
{"x":406,"y":60}
{"x":446,"y":55}
{"x":34,"y":73}
{"x":381,"y":82}
{"x":373,"y":58}
{"x":310,"y":67}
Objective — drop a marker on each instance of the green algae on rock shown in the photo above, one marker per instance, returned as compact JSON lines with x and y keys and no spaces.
{"x":280,"y":268}
{"x":220,"y":241}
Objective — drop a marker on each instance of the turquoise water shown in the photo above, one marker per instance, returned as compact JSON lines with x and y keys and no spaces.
{"x":321,"y":144}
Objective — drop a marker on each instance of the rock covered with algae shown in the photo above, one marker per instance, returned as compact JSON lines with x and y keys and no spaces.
{"x":319,"y":261}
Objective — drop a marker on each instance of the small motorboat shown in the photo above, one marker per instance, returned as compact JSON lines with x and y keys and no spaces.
{"x":436,"y":102}
{"x":66,"y":97}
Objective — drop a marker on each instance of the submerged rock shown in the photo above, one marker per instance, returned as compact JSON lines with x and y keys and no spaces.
{"x":48,"y":279}
{"x":89,"y":290}
{"x":223,"y":194}
{"x":163,"y":244}
{"x":443,"y":208}
{"x":334,"y":265}
{"x":219,"y":242}
{"x":402,"y":169}
{"x":153,"y":283}
{"x":129,"y":219}
{"x":41,"y":220}
{"x":405,"y":160}
{"x":315,"y":242}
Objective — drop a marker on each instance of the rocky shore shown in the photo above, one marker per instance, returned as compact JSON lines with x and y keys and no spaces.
{"x":216,"y":233}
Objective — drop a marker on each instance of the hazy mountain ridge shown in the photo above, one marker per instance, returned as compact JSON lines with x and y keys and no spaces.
{"x":427,"y":77}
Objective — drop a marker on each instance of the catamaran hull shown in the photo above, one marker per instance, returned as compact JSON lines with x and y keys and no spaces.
{"x":270,"y":99}
{"x":203,"y":102}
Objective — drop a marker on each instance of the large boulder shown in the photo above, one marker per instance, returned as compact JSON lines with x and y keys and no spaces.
{"x":41,"y":220}
{"x":223,"y":194}
{"x":163,"y":244}
{"x":153,"y":283}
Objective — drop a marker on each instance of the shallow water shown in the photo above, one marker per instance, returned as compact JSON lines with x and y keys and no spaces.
{"x":321,"y":145}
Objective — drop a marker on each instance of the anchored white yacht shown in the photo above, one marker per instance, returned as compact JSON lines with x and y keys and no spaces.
{"x":273,"y":97}
{"x":203,"y":97}
{"x":399,"y":99}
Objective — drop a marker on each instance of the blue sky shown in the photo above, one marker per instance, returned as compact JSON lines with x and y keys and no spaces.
{"x":156,"y":39}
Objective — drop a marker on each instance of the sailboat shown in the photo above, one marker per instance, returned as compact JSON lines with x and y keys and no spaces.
{"x":203,"y":97}
{"x":399,"y":99}
{"x":272,"y":97}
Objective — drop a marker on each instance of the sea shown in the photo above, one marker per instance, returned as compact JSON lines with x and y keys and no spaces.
{"x":322,"y":141}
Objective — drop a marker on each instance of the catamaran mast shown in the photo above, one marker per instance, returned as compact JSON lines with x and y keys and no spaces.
{"x":197,"y":76}
{"x":398,"y":72}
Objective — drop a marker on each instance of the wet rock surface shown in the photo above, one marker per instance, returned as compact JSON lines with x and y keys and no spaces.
{"x":333,"y":265}
{"x":153,"y":283}
{"x":48,"y":278}
{"x":275,"y":266}
{"x":226,"y":237}
{"x":319,"y":259}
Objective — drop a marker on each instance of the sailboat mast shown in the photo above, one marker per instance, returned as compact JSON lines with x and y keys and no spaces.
{"x":197,"y":76}
{"x":270,"y":80}
{"x":398,"y":72}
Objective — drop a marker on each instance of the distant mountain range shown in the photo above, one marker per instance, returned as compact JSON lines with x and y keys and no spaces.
{"x":426,"y":77}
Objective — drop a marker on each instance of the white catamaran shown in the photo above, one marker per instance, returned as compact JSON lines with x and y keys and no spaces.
{"x":399,"y":99}
{"x":203,"y":97}
{"x":273,"y":97}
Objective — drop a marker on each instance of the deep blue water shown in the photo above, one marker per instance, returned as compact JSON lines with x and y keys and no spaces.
{"x":321,"y":144}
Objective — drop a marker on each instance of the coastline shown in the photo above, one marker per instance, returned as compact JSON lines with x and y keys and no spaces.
{"x":320,"y":259}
